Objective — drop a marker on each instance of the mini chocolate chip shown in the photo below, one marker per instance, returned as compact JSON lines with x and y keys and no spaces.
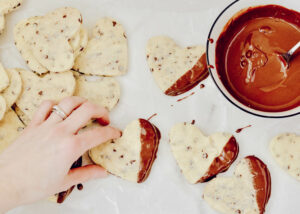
{"x":114,"y":23}
{"x":132,"y":161}
{"x":40,"y":93}
{"x":205,"y":155}
{"x":65,"y":16}
{"x":155,"y":58}
{"x":122,"y":156}
{"x":81,"y":49}
{"x":37,"y":32}
{"x":114,"y":150}
{"x":147,"y":56}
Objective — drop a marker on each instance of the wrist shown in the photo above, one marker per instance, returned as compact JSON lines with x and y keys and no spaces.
{"x":8,"y":194}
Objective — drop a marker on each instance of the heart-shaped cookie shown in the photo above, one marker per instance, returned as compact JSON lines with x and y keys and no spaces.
{"x":103,"y":91}
{"x":4,"y":80}
{"x":106,"y":53}
{"x":175,"y":69}
{"x":131,"y":156}
{"x":44,"y":42}
{"x":79,"y":41}
{"x":13,"y":91}
{"x":53,"y":86}
{"x":3,"y":107}
{"x":248,"y":191}
{"x":23,"y":117}
{"x":7,"y":6}
{"x":10,"y":128}
{"x":201,"y":158}
{"x":285,"y":149}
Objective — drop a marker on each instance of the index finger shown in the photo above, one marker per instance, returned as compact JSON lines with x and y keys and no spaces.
{"x":82,"y":115}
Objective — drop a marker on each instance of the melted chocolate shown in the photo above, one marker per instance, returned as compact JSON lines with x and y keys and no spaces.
{"x":262,"y":182}
{"x":150,"y":137}
{"x":79,"y":187}
{"x":190,"y":79}
{"x":152,"y":116}
{"x":211,"y":40}
{"x":223,"y":161}
{"x":61,"y":197}
{"x":248,"y":58}
{"x":241,"y":129}
{"x":179,"y":100}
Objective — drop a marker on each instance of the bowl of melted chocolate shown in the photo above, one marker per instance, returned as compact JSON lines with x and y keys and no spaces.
{"x":244,"y":51}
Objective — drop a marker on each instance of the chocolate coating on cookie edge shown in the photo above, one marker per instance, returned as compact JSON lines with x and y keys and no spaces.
{"x":223,"y":161}
{"x":261,"y":181}
{"x":190,"y":79}
{"x":150,"y":137}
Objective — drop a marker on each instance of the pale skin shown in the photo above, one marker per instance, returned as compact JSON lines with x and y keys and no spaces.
{"x":37,"y":165}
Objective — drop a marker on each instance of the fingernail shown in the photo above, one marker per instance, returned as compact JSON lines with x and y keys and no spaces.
{"x":103,"y":122}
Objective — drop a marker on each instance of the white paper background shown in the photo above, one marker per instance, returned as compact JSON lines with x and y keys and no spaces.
{"x":166,"y":191}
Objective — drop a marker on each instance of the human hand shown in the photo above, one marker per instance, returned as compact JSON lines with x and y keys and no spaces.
{"x":37,"y":164}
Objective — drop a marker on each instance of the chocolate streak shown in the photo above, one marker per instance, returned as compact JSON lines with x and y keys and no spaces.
{"x":190,"y":79}
{"x":262,"y":182}
{"x":223,"y":161}
{"x":61,"y":197}
{"x":150,"y":137}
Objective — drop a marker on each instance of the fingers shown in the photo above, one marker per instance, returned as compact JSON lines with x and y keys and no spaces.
{"x":67,"y":105}
{"x":83,"y":174}
{"x":93,"y":137}
{"x":42,"y":113}
{"x":82,"y":115}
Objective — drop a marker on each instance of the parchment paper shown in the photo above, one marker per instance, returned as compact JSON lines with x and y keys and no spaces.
{"x":165,"y":191}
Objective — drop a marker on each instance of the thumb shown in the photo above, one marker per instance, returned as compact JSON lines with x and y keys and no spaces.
{"x":83,"y":174}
